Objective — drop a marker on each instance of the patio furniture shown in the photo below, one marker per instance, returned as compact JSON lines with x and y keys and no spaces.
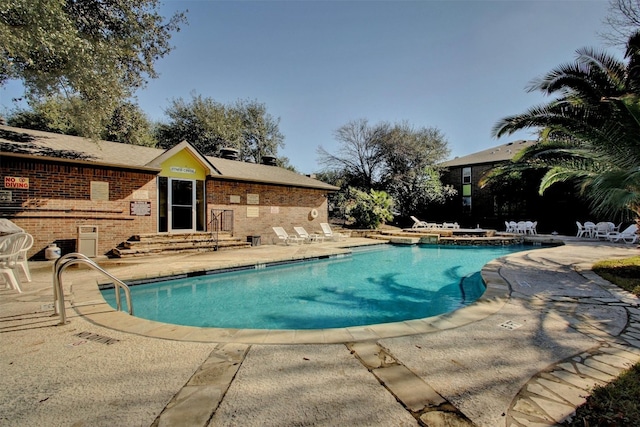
{"x":590,"y":229}
{"x":628,"y":235}
{"x":311,"y":238}
{"x":603,"y":229}
{"x":282,"y":235}
{"x":581,"y":230}
{"x":329,"y":234}
{"x":530,"y":227}
{"x":10,"y":247}
{"x":418,"y":224}
{"x":23,"y":257}
{"x":453,"y":225}
{"x":8,"y":227}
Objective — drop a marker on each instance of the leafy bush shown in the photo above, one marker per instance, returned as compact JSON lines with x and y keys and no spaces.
{"x":368,"y":210}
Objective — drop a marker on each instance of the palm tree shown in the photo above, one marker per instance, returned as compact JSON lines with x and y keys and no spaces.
{"x":589,"y":134}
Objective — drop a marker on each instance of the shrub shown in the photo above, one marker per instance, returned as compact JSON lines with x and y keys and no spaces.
{"x":369,"y":210}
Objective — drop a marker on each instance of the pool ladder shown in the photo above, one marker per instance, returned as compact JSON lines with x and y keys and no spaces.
{"x":58,"y":292}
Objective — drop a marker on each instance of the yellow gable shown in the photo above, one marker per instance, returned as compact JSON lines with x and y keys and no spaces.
{"x":185,"y":165}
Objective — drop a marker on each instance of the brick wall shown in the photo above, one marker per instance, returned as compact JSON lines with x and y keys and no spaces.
{"x":277,"y":206}
{"x":58,"y":200}
{"x":482,"y":205}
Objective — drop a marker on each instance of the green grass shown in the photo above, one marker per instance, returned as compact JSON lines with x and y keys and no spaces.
{"x":617,"y":403}
{"x":624,"y":273}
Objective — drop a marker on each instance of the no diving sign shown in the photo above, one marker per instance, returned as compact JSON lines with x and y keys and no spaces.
{"x":16,"y":182}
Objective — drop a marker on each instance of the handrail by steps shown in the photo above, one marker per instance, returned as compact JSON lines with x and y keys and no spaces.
{"x":58,"y":291}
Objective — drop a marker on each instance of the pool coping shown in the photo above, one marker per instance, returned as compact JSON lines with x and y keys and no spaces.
{"x":88,"y":302}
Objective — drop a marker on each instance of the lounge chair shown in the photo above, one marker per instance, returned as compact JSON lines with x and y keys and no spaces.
{"x":10,"y":247}
{"x":453,"y":225}
{"x":282,"y":235}
{"x":329,"y":234}
{"x":311,"y":238}
{"x":418,"y":224}
{"x":628,"y":235}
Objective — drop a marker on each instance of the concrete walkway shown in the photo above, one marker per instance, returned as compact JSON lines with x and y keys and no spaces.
{"x":526,"y":354}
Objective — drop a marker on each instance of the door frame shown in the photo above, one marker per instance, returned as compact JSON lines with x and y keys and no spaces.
{"x":170,"y":205}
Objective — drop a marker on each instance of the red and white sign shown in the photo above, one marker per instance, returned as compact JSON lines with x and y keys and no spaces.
{"x":16,"y":182}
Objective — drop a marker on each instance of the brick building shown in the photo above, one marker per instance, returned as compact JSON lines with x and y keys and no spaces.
{"x":52,"y":185}
{"x":556,"y":210}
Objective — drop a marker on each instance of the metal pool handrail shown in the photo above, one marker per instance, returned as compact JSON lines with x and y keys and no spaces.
{"x":58,"y":292}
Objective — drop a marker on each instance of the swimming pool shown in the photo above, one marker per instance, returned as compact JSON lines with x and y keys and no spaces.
{"x":384,"y":284}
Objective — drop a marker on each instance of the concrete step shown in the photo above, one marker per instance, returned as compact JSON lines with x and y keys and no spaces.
{"x":179,"y":237}
{"x":202,"y":240}
{"x":147,"y":244}
{"x":123,"y":252}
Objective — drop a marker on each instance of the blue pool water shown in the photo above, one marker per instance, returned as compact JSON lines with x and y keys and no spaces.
{"x":385,"y":284}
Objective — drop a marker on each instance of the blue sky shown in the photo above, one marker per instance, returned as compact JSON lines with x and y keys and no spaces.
{"x":458,"y":66}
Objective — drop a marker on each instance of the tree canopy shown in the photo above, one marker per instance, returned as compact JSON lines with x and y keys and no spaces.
{"x":623,"y":20}
{"x":128,"y":124}
{"x":100,"y":51}
{"x":589,"y":133}
{"x":395,"y":158}
{"x":211,"y":126}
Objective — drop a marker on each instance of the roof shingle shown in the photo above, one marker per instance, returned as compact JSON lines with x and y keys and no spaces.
{"x":27,"y":142}
{"x":500,"y":153}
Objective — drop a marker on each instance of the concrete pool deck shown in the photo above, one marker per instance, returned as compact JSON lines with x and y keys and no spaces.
{"x":526,"y":354}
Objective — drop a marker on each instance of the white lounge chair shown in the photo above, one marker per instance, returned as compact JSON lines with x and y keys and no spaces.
{"x":311,"y":238}
{"x":282,"y":235}
{"x":453,"y":225}
{"x":418,"y":224}
{"x":628,"y":235}
{"x":10,"y":247}
{"x":329,"y":234}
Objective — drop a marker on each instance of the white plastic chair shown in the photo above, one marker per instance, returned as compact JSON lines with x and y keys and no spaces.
{"x":581,"y":230}
{"x":628,"y":235}
{"x":10,"y":247}
{"x":282,"y":235}
{"x":308,"y":237}
{"x":417,"y":223}
{"x":23,"y":260}
{"x":590,"y":228}
{"x":329,"y":234}
{"x":603,"y":229}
